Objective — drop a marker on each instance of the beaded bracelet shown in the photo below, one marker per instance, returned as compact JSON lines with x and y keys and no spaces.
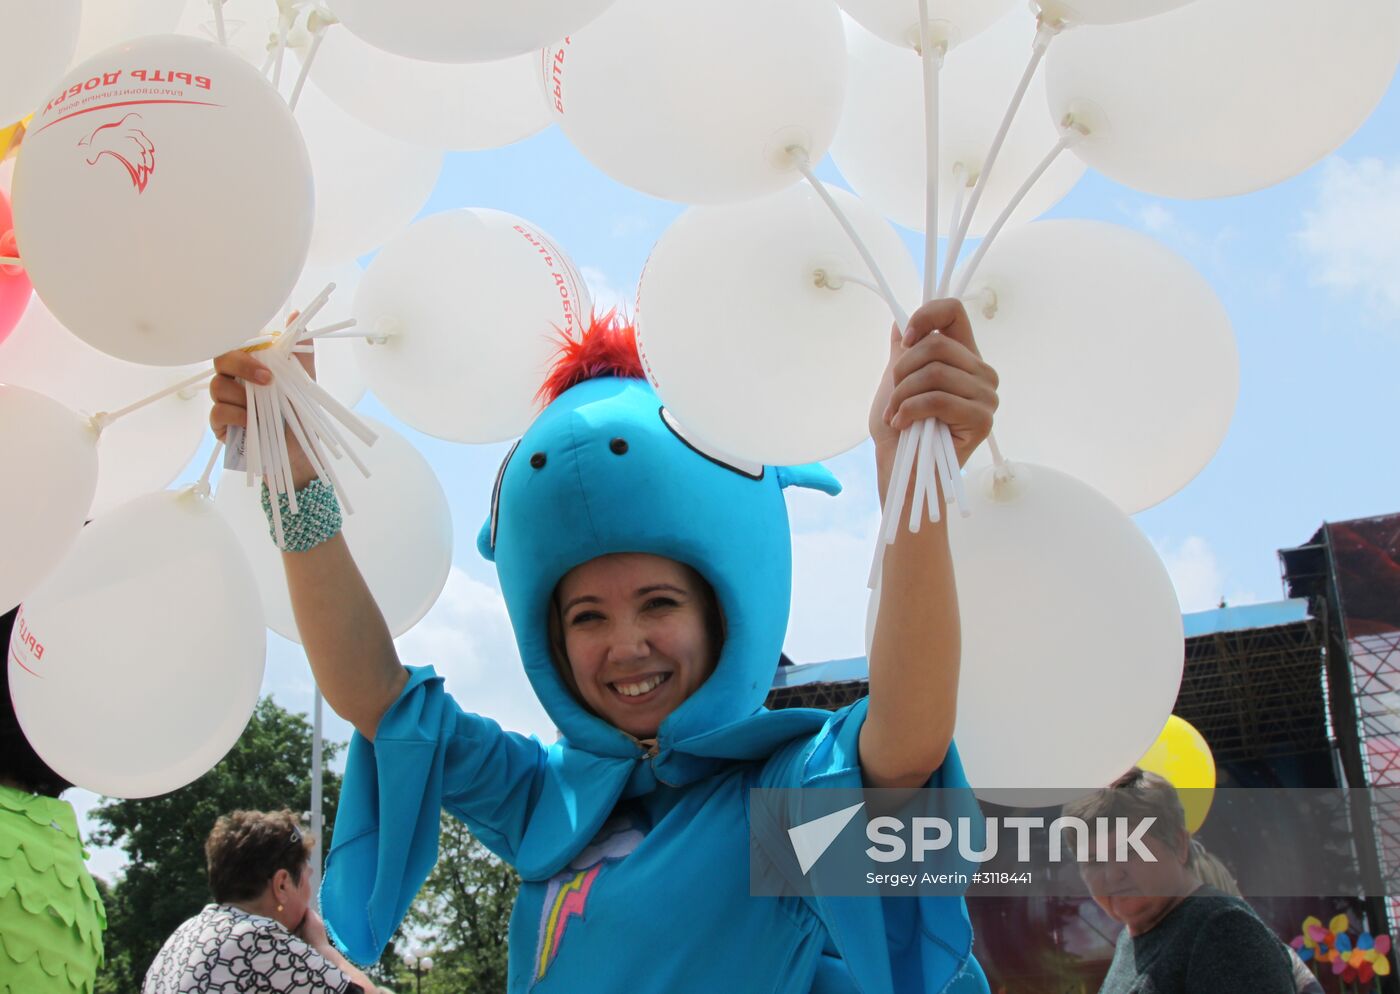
{"x":317,"y":519}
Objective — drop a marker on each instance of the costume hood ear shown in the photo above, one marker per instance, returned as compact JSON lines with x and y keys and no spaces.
{"x":809,"y":476}
{"x":483,"y":541}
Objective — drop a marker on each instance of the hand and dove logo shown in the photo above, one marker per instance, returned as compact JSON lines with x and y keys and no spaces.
{"x":128,"y":145}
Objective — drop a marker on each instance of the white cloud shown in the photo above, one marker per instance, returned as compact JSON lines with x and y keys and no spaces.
{"x":626,"y":225}
{"x":468,"y":639}
{"x":1352,"y":232}
{"x":1197,"y":575}
{"x":1155,"y":218}
{"x":1209,"y":250}
{"x":605,"y":295}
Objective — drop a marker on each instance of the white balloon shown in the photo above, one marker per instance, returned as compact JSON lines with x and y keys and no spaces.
{"x":163,"y":220}
{"x":337,"y":365}
{"x":743,"y":346}
{"x":1097,"y":332}
{"x":109,"y":22}
{"x":638,"y":93}
{"x":369,"y":186}
{"x":1074,"y":12}
{"x":400,"y":533}
{"x":1224,"y":97}
{"x":950,"y":21}
{"x":36,"y":45}
{"x":139,"y":452}
{"x":51,"y":458}
{"x":147,"y":650}
{"x":462,"y":107}
{"x":473,"y":301}
{"x":880,"y":147}
{"x":450,"y":31}
{"x":1072,"y":641}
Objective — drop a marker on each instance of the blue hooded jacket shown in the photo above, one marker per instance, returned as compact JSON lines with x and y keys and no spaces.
{"x":633,"y":854}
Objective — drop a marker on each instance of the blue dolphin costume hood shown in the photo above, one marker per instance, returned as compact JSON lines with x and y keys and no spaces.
{"x":605,"y":469}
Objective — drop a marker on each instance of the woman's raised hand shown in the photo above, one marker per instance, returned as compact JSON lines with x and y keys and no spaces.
{"x":230,"y":396}
{"x":936,"y":376}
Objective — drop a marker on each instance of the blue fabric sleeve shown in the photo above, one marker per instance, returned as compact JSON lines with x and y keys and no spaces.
{"x":428,"y":754}
{"x":888,"y":944}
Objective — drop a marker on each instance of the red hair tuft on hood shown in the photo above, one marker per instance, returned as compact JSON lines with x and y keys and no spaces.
{"x":607,"y":347}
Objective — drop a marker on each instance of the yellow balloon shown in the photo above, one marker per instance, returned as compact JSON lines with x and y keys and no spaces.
{"x":1181,"y":755}
{"x":11,"y":136}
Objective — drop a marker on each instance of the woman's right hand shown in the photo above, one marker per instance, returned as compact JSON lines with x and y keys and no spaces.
{"x":312,"y":930}
{"x":230,"y":396}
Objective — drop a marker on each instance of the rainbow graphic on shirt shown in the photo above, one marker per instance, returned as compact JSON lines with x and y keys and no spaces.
{"x":567,"y":894}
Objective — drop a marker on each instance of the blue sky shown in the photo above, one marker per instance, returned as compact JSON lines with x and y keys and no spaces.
{"x":1309,"y":272}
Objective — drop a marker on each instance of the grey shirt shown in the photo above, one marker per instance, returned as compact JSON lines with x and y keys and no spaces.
{"x":1210,"y":943}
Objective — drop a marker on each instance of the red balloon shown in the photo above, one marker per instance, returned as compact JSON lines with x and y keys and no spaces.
{"x":15,"y":288}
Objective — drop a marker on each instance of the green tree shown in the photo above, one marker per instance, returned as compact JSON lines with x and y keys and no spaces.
{"x":463,"y":915}
{"x":166,"y":881}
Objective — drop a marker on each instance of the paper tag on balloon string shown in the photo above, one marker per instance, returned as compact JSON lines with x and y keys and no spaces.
{"x":236,"y":449}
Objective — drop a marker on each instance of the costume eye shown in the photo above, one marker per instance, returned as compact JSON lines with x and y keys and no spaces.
{"x":752,"y":470}
{"x":496,"y":492}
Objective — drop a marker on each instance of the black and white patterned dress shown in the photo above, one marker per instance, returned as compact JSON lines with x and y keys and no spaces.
{"x":225,"y":950}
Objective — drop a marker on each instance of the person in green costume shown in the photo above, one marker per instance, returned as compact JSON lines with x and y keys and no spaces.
{"x":51,"y":916}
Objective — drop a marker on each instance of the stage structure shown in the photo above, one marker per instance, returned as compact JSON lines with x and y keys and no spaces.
{"x":1350,"y":573}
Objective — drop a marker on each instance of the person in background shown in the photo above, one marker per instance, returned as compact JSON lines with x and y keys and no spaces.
{"x":1213,"y":873}
{"x":1180,"y":936}
{"x":261,"y":935}
{"x":51,"y":915}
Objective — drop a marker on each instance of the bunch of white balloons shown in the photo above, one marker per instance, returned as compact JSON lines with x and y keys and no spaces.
{"x":195,"y":169}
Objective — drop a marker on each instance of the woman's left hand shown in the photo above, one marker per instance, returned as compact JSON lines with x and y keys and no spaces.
{"x":936,"y":376}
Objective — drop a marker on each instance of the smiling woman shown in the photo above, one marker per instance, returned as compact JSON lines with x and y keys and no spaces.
{"x":634,"y":635}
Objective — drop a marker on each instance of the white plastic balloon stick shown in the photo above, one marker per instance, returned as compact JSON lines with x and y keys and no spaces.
{"x":317,"y":22}
{"x":1069,"y":137}
{"x":935,"y":455}
{"x":218,"y":6}
{"x":279,"y":53}
{"x":932,"y":59}
{"x":103,"y":418}
{"x":970,"y":270}
{"x":926,"y":449}
{"x":11,"y":260}
{"x":904,"y":456}
{"x":1045,"y":32}
{"x":799,"y":155}
{"x":294,"y":403}
{"x":926,"y":457}
{"x":202,"y":486}
{"x":338,"y":330}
